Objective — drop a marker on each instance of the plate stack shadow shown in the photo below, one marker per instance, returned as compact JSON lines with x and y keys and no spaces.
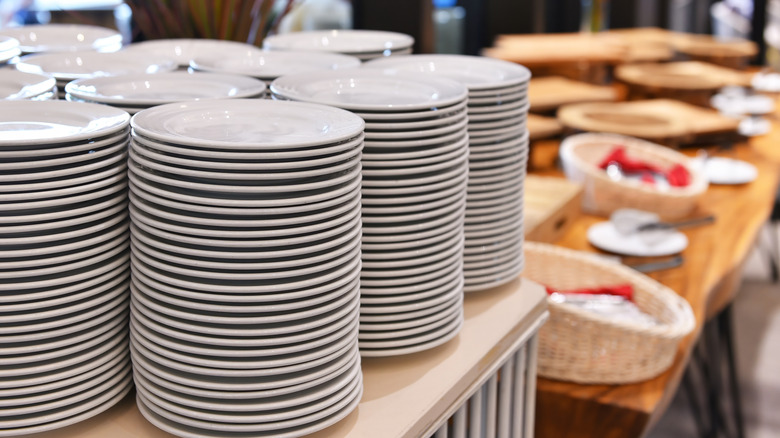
{"x":498,"y":143}
{"x":415,"y":170}
{"x":246,"y":264}
{"x":64,"y":263}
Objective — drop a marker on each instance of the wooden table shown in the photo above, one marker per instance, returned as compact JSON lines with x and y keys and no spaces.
{"x":709,"y":279}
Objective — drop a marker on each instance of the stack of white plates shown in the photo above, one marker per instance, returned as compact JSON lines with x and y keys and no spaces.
{"x":415,"y":167}
{"x":246,"y":262}
{"x":64,"y":263}
{"x":267,"y":65}
{"x":69,"y":66}
{"x":9,"y":49}
{"x":498,"y":144}
{"x":47,"y":38}
{"x":17,"y":85}
{"x":136,"y":92}
{"x":185,"y":50}
{"x":363,"y":44}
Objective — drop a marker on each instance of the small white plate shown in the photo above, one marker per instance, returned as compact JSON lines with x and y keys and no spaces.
{"x":56,"y":122}
{"x":370,"y":90}
{"x":247,"y":124}
{"x":269,"y":65}
{"x":17,"y":85}
{"x":476,"y":72}
{"x":64,"y":38}
{"x":69,"y":66}
{"x":341,"y":41}
{"x":604,"y":236}
{"x":161,"y":88}
{"x":721,"y":170}
{"x":185,"y":50}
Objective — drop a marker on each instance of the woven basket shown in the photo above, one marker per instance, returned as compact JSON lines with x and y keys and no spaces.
{"x":582,"y":153}
{"x":583,"y":347}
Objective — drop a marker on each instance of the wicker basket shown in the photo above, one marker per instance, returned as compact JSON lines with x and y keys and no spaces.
{"x":583,"y":347}
{"x":582,"y":153}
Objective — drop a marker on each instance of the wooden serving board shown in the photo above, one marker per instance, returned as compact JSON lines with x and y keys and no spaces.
{"x":663,"y":120}
{"x":686,"y":75}
{"x":540,"y":127}
{"x":551,"y":92}
{"x":552,"y":204}
{"x":563,"y":48}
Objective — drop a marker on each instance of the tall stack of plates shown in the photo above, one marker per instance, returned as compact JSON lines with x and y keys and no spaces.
{"x":69,"y":66}
{"x":17,"y":85}
{"x":136,"y":92}
{"x":415,"y":167}
{"x":48,"y":38}
{"x":267,"y":65}
{"x":185,"y":50}
{"x":64,"y":263}
{"x":363,"y":44}
{"x":498,"y":143}
{"x":9,"y":49}
{"x":246,"y":262}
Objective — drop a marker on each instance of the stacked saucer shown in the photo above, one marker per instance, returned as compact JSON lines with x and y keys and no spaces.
{"x":69,"y":66}
{"x":415,"y":166}
{"x":267,"y":65}
{"x":135,"y":92}
{"x":17,"y":85}
{"x":362,"y":44}
{"x":498,"y":144}
{"x":184,"y":50}
{"x":48,"y":38}
{"x":64,"y":264}
{"x":246,"y":262}
{"x":9,"y":49}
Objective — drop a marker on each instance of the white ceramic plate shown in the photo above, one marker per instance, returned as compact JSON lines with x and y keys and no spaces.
{"x":403,"y":317}
{"x":64,"y":38}
{"x":269,"y":65}
{"x":247,"y":124}
{"x":445,"y":318}
{"x":476,"y":72}
{"x":53,"y":122}
{"x":342,"y":41}
{"x":157,"y":89}
{"x":185,"y":50}
{"x":76,"y":65}
{"x":424,"y":114}
{"x":454,"y":325}
{"x":414,"y":233}
{"x":604,"y":236}
{"x":384,"y":352}
{"x":17,"y":85}
{"x":409,"y":125}
{"x":721,"y":170}
{"x":369,"y":90}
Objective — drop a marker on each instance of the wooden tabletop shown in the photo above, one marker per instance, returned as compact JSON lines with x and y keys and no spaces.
{"x":708,"y":279}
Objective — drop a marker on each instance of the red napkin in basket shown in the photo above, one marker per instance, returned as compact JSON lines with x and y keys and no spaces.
{"x":677,"y":176}
{"x":624,"y":290}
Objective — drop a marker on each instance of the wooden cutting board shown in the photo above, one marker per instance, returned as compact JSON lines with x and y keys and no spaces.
{"x":551,"y":92}
{"x":663,"y":120}
{"x":563,"y":48}
{"x":687,"y":75}
{"x":540,"y":127}
{"x":551,"y":205}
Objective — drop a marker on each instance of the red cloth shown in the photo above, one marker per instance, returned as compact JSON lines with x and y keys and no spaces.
{"x":677,"y":176}
{"x":624,"y":290}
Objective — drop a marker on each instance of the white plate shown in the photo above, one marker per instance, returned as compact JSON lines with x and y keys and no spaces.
{"x":754,"y":126}
{"x":445,"y":318}
{"x":391,"y":261}
{"x":53,"y":122}
{"x":8,"y":43}
{"x":268,"y":65}
{"x":447,"y":232}
{"x":17,"y":85}
{"x":342,"y":41}
{"x":487,"y":136}
{"x":439,"y":333}
{"x":417,"y":134}
{"x":247,"y":124}
{"x":404,"y":204}
{"x":498,"y":92}
{"x":720,"y":170}
{"x":369,"y":90}
{"x":504,"y":108}
{"x":64,"y":38}
{"x":157,"y":89}
{"x":401,"y":186}
{"x":498,"y":99}
{"x":184,"y":50}
{"x":66,"y":185}
{"x":391,"y":145}
{"x":476,"y":72}
{"x":394,"y":298}
{"x":424,"y":114}
{"x":75,"y":209}
{"x":190,"y":158}
{"x":516,"y":115}
{"x":392,"y":209}
{"x":408,"y":125}
{"x":409,"y":276}
{"x":405,"y":195}
{"x":409,"y":223}
{"x":76,"y":65}
{"x":404,"y":318}
{"x":604,"y":236}
{"x":294,"y":376}
{"x":33,"y":151}
{"x":420,"y":232}
{"x":71,"y":165}
{"x":414,"y":168}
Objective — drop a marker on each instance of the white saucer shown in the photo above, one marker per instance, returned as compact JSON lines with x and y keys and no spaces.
{"x":184,"y":50}
{"x":269,"y":65}
{"x":341,"y":41}
{"x":721,"y":170}
{"x":64,"y":38}
{"x":604,"y":236}
{"x":68,"y":66}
